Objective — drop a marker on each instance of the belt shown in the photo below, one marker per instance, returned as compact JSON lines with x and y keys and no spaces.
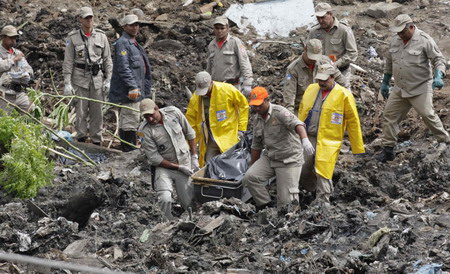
{"x":85,"y":66}
{"x":233,"y":81}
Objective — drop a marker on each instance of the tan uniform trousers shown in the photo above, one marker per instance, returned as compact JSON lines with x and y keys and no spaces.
{"x":312,"y":181}
{"x":129,"y":119}
{"x":211,"y":150}
{"x":20,"y":99}
{"x":397,"y":109}
{"x":164,"y":181}
{"x":287,"y":181}
{"x":346,"y":77}
{"x":86,"y":109}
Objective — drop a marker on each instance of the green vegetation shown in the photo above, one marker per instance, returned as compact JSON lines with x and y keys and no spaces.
{"x":25,"y":166}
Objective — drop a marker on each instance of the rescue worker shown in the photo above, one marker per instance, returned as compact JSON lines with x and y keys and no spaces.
{"x":218,"y":112}
{"x":412,"y":55}
{"x":87,"y":71}
{"x":15,"y":72}
{"x":131,"y":80}
{"x":165,"y":132}
{"x":281,"y":135}
{"x":301,"y":72}
{"x":337,"y":39}
{"x":228,"y":59}
{"x":329,"y":110}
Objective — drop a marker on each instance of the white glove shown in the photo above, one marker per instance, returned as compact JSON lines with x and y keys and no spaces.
{"x":134,"y":94}
{"x":106,"y":86}
{"x":246,"y":90}
{"x":68,"y":90}
{"x":307,"y":146}
{"x":240,"y":134}
{"x":194,"y":163}
{"x":186,"y":170}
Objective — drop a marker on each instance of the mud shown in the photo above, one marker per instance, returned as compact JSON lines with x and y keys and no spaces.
{"x":383,"y":218}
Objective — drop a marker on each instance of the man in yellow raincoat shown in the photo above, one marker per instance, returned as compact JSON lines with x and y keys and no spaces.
{"x":218,"y":112}
{"x":328,"y":110}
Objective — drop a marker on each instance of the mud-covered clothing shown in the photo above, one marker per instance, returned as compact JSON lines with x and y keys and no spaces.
{"x":11,"y":90}
{"x":167,"y":141}
{"x":338,"y":41}
{"x":131,"y":70}
{"x":228,"y":114}
{"x":298,"y":77}
{"x":229,"y":62}
{"x":278,"y":136}
{"x":82,"y":54}
{"x":329,"y":119}
{"x":412,"y":65}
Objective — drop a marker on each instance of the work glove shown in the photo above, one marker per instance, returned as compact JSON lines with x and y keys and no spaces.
{"x":307,"y":146}
{"x":106,"y":86}
{"x":186,"y":170}
{"x":68,"y":90}
{"x":241,"y":134}
{"x":194,"y":163}
{"x":134,"y":94}
{"x":246,"y":90}
{"x":385,"y":85}
{"x":438,"y":81}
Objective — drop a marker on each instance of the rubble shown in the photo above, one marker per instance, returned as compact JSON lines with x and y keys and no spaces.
{"x":107,"y":216}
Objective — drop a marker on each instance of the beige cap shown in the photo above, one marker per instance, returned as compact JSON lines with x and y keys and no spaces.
{"x":10,"y":31}
{"x":129,"y":19}
{"x":314,"y":49}
{"x":202,"y":83}
{"x":85,"y":12}
{"x":147,"y":106}
{"x":322,"y":9}
{"x":324,"y":71}
{"x":222,"y":20}
{"x":400,"y":22}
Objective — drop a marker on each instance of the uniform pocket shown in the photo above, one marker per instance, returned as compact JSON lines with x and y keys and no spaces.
{"x":413,"y":56}
{"x":98,"y":48}
{"x":79,"y":51}
{"x":230,"y":57}
{"x":336,"y":44}
{"x":136,"y":61}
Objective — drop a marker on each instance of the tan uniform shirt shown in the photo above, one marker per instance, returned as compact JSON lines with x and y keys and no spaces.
{"x":410,"y":63}
{"x":339,"y":41}
{"x":278,"y":135}
{"x":7,"y":64}
{"x":77,"y":44}
{"x":229,"y":62}
{"x":168,"y":140}
{"x":298,"y":77}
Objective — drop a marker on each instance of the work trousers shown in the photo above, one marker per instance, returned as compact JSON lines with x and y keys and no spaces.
{"x":312,"y":181}
{"x":287,"y":181}
{"x":346,"y":76}
{"x":129,"y":119}
{"x":165,"y":179}
{"x":20,"y":99}
{"x":397,"y":109}
{"x":85,"y":110}
{"x":212,"y":149}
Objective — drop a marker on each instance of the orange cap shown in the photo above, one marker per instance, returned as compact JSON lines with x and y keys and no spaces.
{"x":257,"y":96}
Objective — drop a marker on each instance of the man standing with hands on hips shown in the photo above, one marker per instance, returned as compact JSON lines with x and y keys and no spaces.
{"x":131,"y":80}
{"x":87,"y":56}
{"x":412,"y":56}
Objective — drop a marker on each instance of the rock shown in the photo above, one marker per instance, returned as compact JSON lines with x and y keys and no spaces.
{"x":383,"y":10}
{"x":162,"y":17}
{"x":167,"y":44}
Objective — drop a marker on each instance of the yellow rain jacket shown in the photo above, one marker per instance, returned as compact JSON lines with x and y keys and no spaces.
{"x":228,"y":113}
{"x":338,"y":114}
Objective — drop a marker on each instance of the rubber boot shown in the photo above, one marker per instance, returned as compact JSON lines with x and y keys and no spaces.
{"x":130,"y":137}
{"x":387,"y":154}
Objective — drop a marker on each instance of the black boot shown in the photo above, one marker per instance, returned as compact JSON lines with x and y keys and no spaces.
{"x":387,"y":154}
{"x":130,"y":137}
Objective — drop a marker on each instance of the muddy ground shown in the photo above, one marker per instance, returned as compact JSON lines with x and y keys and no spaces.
{"x":383,"y":218}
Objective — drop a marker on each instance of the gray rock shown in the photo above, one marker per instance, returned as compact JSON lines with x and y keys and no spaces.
{"x":383,"y":10}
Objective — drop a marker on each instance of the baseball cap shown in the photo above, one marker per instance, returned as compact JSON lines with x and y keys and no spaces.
{"x":129,"y":19}
{"x":85,"y":12}
{"x":10,"y":31}
{"x":324,"y":71}
{"x":314,"y":49}
{"x":221,"y":20}
{"x":322,"y":9}
{"x":202,"y":83}
{"x":147,"y":106}
{"x":400,"y":22}
{"x":257,"y":96}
